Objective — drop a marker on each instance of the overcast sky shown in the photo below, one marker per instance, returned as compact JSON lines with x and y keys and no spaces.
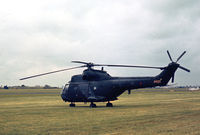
{"x":38,"y":36}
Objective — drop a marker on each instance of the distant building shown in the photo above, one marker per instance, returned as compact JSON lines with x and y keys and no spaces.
{"x":194,"y":88}
{"x":5,"y":87}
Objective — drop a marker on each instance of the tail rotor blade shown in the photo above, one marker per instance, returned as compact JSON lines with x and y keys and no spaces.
{"x":173,"y":78}
{"x":183,"y":68}
{"x":180,"y":56}
{"x":169,"y":56}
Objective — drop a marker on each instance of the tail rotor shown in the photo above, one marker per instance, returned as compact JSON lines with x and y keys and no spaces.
{"x":179,"y":66}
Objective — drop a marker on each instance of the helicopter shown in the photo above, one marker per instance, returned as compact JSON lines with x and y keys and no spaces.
{"x":98,"y":86}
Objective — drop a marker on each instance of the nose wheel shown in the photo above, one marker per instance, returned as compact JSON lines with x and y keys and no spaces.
{"x":109,"y":104}
{"x":72,"y":104}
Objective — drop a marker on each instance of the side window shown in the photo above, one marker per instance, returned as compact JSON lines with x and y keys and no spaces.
{"x":66,"y":86}
{"x":75,"y":88}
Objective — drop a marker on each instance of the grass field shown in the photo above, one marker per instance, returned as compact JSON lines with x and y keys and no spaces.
{"x":26,"y":112}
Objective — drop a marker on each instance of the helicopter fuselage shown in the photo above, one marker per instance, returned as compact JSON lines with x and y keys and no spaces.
{"x":105,"y":90}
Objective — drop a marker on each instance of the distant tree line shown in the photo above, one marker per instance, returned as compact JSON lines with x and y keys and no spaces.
{"x":28,"y":87}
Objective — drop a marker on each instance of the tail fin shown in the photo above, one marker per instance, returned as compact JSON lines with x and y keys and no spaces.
{"x":167,"y":74}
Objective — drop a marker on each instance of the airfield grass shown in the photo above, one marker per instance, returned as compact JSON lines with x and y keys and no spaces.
{"x":142,"y":113}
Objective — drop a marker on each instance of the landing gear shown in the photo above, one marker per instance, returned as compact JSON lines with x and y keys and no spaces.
{"x":72,"y":104}
{"x":109,"y":104}
{"x":92,"y":105}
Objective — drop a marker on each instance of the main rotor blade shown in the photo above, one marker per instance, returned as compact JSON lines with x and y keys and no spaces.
{"x":92,"y":64}
{"x":79,"y":62}
{"x":169,"y":56}
{"x":183,"y":68}
{"x":50,"y":72}
{"x":180,"y":56}
{"x":128,"y":66}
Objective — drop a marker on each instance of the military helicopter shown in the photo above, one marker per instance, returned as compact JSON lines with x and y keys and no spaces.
{"x":98,"y":86}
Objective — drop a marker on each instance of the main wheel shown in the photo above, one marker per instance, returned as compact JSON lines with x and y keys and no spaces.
{"x":109,"y":104}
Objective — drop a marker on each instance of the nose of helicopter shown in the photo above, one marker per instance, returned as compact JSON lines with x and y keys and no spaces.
{"x":64,"y":94}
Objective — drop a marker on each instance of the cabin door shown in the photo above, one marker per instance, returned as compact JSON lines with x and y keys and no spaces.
{"x":83,"y":90}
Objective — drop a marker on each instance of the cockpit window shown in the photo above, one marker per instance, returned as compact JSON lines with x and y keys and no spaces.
{"x":65,"y":89}
{"x":66,"y":86}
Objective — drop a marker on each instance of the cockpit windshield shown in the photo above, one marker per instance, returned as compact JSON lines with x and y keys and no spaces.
{"x":65,"y":89}
{"x":66,"y":86}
